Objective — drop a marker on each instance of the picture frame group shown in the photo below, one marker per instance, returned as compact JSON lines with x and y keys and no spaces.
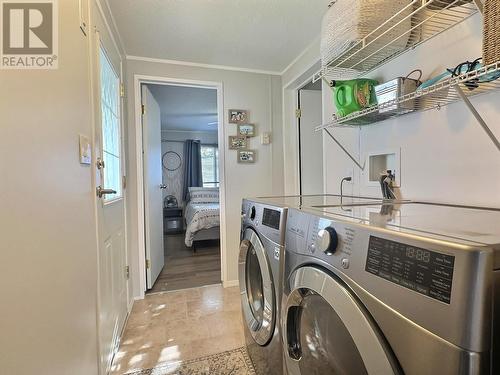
{"x":247,"y":156}
{"x":246,"y":130}
{"x":238,"y":116}
{"x":237,"y":143}
{"x":241,"y":141}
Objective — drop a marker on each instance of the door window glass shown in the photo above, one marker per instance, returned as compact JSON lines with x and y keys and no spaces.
{"x":325,"y":344}
{"x":255,"y":287}
{"x":110,"y":123}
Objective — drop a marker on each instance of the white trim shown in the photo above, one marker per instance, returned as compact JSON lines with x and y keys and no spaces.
{"x":159,"y":80}
{"x":230,"y":283}
{"x":294,"y":61}
{"x":299,"y":75}
{"x":110,"y":32}
{"x":115,"y":27}
{"x":202,"y":65}
{"x":292,"y":88}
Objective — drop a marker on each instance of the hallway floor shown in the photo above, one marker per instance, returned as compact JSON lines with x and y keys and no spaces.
{"x":179,"y":326}
{"x":187,"y":269}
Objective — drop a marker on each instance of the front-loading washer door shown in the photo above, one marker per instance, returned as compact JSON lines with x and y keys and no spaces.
{"x":256,"y":288}
{"x":327,"y":331}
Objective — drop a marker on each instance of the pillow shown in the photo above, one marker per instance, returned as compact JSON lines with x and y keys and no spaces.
{"x":203,"y":195}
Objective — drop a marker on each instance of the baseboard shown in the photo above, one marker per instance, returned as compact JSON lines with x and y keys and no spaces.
{"x":230,"y":283}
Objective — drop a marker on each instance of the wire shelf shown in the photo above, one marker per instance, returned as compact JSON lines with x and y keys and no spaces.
{"x":428,"y":19}
{"x":441,"y":94}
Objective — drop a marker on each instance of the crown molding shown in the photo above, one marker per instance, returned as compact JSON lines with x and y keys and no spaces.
{"x":302,"y":54}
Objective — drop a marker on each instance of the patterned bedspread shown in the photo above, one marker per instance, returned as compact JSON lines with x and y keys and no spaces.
{"x":200,"y":216}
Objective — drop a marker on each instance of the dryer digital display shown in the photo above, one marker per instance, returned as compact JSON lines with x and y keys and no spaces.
{"x":271,"y":218}
{"x":426,"y":272}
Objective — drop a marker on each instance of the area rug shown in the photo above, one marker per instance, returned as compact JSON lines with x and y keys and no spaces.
{"x":232,"y":362}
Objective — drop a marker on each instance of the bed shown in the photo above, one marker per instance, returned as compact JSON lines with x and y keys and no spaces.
{"x":202,"y":215}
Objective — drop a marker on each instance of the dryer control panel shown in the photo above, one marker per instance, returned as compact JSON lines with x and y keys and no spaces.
{"x":424,"y":271}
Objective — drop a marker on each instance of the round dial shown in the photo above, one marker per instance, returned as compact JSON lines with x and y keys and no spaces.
{"x":328,"y":240}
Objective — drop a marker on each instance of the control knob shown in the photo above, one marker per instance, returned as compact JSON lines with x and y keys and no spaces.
{"x":328,"y":240}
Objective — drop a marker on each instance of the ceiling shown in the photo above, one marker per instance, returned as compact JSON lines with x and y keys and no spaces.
{"x":186,"y":108}
{"x":253,"y":34}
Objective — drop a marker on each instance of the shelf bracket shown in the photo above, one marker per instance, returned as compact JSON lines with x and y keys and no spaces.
{"x":478,"y":117}
{"x":362,"y":167}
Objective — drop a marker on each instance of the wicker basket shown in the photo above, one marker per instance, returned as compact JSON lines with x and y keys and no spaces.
{"x":491,"y":45}
{"x":441,"y":4}
{"x":348,"y":22}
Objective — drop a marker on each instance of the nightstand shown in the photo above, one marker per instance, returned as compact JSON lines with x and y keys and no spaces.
{"x":172,"y":220}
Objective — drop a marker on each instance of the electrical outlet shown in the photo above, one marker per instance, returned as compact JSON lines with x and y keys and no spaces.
{"x":265,"y":138}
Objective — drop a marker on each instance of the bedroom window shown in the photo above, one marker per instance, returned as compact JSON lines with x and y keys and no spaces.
{"x":210,"y":165}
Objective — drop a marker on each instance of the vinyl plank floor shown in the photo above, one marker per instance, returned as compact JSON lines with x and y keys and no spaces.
{"x":187,"y":269}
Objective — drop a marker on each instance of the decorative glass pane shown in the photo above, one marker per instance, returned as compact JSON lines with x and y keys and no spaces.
{"x":111,"y":134}
{"x":112,"y":175}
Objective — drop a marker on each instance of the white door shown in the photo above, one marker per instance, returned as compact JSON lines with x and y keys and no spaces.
{"x":153,"y":185}
{"x":311,"y":142}
{"x":112,"y":256}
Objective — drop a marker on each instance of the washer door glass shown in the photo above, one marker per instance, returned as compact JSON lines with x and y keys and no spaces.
{"x":327,"y":331}
{"x":256,"y":288}
{"x":323,"y":344}
{"x":254,"y":284}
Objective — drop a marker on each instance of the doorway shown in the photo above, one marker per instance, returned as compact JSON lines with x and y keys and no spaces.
{"x":183,"y":185}
{"x":310,"y":142}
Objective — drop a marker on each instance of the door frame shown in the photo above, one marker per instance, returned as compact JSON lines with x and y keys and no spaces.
{"x":298,"y":133}
{"x":291,"y":128}
{"x":140,"y":79}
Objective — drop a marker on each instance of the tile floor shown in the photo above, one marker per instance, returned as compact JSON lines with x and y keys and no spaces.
{"x":187,"y":269}
{"x":180,"y":325}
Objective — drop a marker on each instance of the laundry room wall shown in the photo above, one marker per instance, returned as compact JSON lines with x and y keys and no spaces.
{"x":259,"y":93}
{"x":172,"y":141}
{"x":445,"y":154}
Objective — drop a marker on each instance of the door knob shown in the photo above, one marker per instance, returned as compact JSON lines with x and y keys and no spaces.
{"x":163,"y":186}
{"x":102,"y":192}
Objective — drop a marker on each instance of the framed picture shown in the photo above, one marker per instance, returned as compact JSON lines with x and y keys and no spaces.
{"x":246,"y":156}
{"x":238,"y":116}
{"x":246,"y":130}
{"x":237,"y":143}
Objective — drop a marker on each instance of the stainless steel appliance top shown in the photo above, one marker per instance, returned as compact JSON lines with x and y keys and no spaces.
{"x":327,"y":200}
{"x":455,"y":223}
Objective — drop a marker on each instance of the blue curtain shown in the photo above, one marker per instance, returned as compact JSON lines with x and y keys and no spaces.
{"x":192,"y":166}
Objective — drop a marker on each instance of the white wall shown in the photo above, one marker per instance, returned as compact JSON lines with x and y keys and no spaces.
{"x":48,"y":269}
{"x":445,"y":155}
{"x":261,"y":95}
{"x":171,"y":141}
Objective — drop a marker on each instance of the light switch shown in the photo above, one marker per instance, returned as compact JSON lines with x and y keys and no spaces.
{"x":265,"y":138}
{"x":85,"y":150}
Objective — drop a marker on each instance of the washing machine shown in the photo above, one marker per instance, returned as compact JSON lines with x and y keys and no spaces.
{"x":261,"y":270}
{"x":406,"y":288}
